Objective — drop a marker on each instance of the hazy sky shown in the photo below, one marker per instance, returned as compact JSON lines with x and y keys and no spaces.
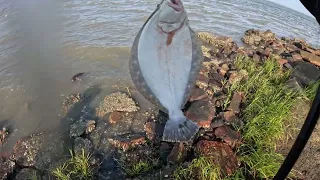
{"x":293,"y":4}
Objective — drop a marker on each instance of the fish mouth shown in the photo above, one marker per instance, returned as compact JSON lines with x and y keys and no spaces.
{"x":176,"y":5}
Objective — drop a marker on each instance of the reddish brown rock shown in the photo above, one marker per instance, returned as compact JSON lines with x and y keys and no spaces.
{"x":229,"y":116}
{"x":312,"y":58}
{"x":235,"y":102}
{"x":297,"y":57}
{"x":198,"y":94}
{"x":125,"y":142}
{"x":282,"y":62}
{"x":178,"y":154}
{"x":150,"y":128}
{"x":228,"y":135}
{"x":220,"y":154}
{"x":115,"y":116}
{"x":201,"y":112}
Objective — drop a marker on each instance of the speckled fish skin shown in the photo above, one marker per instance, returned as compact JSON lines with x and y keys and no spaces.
{"x":165,"y":61}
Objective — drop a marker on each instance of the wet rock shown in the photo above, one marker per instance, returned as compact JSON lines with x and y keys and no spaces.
{"x":312,"y":58}
{"x":27,"y":174}
{"x":81,"y":143}
{"x":304,"y":72}
{"x":116,"y":102}
{"x":150,"y":128}
{"x":115,"y":116}
{"x":201,"y":112}
{"x":252,"y":37}
{"x":165,"y":149}
{"x":70,"y":101}
{"x":219,"y":154}
{"x":228,"y":135}
{"x":3,"y":135}
{"x":235,"y":102}
{"x":178,"y":154}
{"x":81,"y":127}
{"x":6,"y":166}
{"x":127,"y":141}
{"x":298,"y":45}
{"x":198,"y":94}
{"x":39,"y":150}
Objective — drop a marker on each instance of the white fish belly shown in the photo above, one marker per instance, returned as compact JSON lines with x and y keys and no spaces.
{"x":166,"y":68}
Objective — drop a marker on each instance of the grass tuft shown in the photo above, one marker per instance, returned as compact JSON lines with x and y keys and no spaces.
{"x":77,"y":167}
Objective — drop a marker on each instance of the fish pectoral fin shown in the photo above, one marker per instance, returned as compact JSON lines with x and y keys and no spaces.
{"x":179,"y":129}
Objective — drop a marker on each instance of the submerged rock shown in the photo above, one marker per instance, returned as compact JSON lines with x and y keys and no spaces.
{"x":115,"y":116}
{"x":3,"y":135}
{"x":81,"y":127}
{"x":81,"y":143}
{"x":6,"y":166}
{"x":220,"y":154}
{"x":28,"y":173}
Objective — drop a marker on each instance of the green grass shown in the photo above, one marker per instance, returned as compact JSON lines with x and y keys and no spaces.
{"x":77,"y":167}
{"x":267,"y":109}
{"x":34,"y":176}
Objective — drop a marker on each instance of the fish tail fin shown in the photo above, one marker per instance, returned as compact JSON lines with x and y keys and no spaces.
{"x":179,"y":129}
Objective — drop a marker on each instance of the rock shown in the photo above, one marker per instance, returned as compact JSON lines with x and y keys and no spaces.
{"x":297,"y":57}
{"x":256,"y":58}
{"x":217,"y":122}
{"x":27,"y":174}
{"x":314,"y":59}
{"x":228,"y":135}
{"x":78,"y":128}
{"x":116,"y":102}
{"x":282,"y":62}
{"x":165,"y":149}
{"x":81,"y":143}
{"x":220,"y":154}
{"x":70,"y":101}
{"x":39,"y":150}
{"x":127,"y":141}
{"x":197,"y":94}
{"x":304,"y":72}
{"x":202,"y":81}
{"x":235,"y":102}
{"x":3,"y":134}
{"x":294,"y":85}
{"x":91,"y":125}
{"x":150,"y":128}
{"x":236,"y":76}
{"x":229,"y":116}
{"x":6,"y":166}
{"x":178,"y":154}
{"x":215,"y":79}
{"x":115,"y":116}
{"x":201,"y":112}
{"x":298,"y":45}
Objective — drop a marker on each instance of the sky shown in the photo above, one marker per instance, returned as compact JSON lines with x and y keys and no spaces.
{"x":293,"y":4}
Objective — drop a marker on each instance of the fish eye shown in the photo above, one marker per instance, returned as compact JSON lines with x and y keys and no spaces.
{"x":173,"y":1}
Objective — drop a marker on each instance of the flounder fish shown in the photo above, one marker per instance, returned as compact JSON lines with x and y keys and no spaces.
{"x":165,"y":61}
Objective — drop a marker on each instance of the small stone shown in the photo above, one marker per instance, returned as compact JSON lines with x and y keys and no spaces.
{"x":229,"y":116}
{"x":282,"y":62}
{"x":165,"y":150}
{"x":201,"y":112}
{"x":178,"y":154}
{"x":3,"y":134}
{"x":228,"y":135}
{"x":78,"y":128}
{"x":150,"y":128}
{"x":225,"y":67}
{"x":312,"y":58}
{"x":6,"y":166}
{"x":27,"y":173}
{"x":256,"y":58}
{"x":115,"y":116}
{"x":81,"y":143}
{"x":217,"y":123}
{"x":222,"y":72}
{"x":91,"y":125}
{"x":235,"y":102}
{"x":220,"y":154}
{"x":297,"y":57}
{"x":202,"y":81}
{"x":198,"y":94}
{"x":125,"y":142}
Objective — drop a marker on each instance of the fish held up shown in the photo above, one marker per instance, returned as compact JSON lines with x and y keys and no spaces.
{"x":165,"y":61}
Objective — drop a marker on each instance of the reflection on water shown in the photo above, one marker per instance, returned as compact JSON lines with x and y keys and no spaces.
{"x":44,"y":43}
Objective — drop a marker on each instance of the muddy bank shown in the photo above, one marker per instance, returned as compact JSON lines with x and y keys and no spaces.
{"x":125,"y":141}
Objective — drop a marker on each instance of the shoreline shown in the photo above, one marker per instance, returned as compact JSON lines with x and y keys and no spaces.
{"x":118,"y":129}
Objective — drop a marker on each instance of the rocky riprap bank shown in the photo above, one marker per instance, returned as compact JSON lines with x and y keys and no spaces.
{"x":135,"y":137}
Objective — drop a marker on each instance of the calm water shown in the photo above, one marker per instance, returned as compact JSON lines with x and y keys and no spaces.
{"x":40,"y":53}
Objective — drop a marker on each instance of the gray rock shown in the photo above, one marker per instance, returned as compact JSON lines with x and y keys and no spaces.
{"x":28,"y":173}
{"x":78,"y":128}
{"x":81,"y":143}
{"x":6,"y":167}
{"x":305,"y":73}
{"x":39,"y":150}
